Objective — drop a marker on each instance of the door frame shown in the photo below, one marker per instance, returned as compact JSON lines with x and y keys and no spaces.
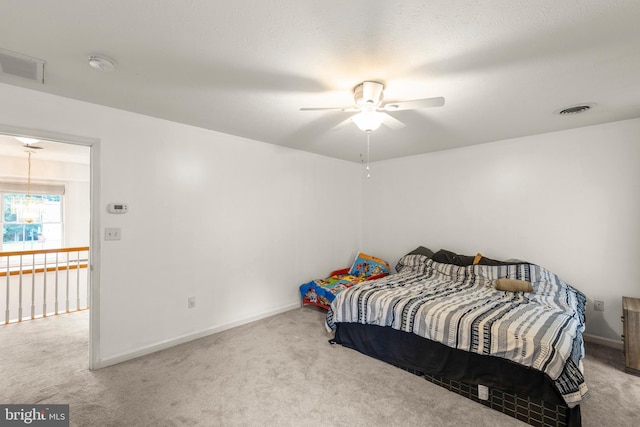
{"x":94,"y":224}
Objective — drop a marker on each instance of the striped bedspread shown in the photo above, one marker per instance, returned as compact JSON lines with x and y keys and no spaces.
{"x":459,"y":307}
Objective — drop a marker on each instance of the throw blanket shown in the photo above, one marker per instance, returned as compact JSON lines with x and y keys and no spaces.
{"x":459,"y":307}
{"x":325,"y":290}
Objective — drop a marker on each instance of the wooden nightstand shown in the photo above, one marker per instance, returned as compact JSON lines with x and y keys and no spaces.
{"x":631,"y":334}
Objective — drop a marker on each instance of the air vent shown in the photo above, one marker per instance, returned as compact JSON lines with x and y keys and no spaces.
{"x":17,"y":65}
{"x":575,"y":109}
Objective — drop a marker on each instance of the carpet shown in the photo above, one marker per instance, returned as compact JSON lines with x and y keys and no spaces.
{"x":278,"y":371}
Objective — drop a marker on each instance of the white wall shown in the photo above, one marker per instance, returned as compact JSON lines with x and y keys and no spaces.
{"x":569,"y":201}
{"x":239,"y":224}
{"x":77,"y":213}
{"x":236,"y":223}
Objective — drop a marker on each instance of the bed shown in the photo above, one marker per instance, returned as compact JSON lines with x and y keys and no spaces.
{"x":507,"y":334}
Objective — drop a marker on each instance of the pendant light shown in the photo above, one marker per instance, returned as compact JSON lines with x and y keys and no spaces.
{"x":27,"y":210}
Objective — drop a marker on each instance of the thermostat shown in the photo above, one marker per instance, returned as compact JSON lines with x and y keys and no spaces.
{"x":118,"y":208}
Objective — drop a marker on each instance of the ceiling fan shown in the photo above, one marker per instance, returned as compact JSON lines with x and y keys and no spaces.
{"x":372,"y":112}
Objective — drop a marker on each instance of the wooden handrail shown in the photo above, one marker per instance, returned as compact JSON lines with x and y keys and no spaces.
{"x":44,"y":251}
{"x":41,"y":270}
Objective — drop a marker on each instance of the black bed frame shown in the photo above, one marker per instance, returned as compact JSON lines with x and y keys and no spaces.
{"x":515,"y":390}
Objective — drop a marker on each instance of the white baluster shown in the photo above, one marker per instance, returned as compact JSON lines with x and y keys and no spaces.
{"x":78,"y":281}
{"x":20,"y":291}
{"x":56,"y":291}
{"x":33,"y":286}
{"x":67,"y":284}
{"x":44,"y":289}
{"x":6,"y":312}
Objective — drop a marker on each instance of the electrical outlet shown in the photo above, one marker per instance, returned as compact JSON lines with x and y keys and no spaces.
{"x":598,"y":305}
{"x":111,"y":233}
{"x":191,"y":302}
{"x":483,"y":392}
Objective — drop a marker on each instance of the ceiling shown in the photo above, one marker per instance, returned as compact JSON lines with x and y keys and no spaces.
{"x":246,"y":67}
{"x":47,"y":150}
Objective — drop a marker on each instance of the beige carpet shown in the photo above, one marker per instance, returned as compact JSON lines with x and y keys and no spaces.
{"x":275,"y":372}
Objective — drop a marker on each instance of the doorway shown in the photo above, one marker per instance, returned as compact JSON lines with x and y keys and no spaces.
{"x":65,"y":164}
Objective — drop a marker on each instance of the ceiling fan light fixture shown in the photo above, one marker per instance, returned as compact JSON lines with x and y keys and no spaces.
{"x":368,"y":97}
{"x":26,"y":141}
{"x":368,"y":94}
{"x":368,"y":121}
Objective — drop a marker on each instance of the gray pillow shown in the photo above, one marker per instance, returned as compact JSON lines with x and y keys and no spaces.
{"x":421,"y":250}
{"x":447,"y":257}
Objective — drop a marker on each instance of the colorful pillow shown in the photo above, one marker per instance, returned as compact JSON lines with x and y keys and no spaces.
{"x":513,"y":285}
{"x":366,"y":265}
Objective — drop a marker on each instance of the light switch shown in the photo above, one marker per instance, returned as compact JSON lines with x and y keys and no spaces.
{"x":111,"y":233}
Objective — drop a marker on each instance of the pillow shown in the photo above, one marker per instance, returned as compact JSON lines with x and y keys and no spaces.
{"x":447,"y":257}
{"x":488,"y":261}
{"x":513,"y":285}
{"x":366,"y":265}
{"x":420,"y":250}
{"x":412,"y":262}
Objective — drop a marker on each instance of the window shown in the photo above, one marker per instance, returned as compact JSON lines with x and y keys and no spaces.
{"x":41,"y":228}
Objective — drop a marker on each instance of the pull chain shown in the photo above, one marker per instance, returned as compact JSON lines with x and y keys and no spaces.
{"x":368,"y":151}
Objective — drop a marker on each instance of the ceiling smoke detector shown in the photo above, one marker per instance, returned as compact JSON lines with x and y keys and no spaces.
{"x":102,"y":63}
{"x":575,"y":109}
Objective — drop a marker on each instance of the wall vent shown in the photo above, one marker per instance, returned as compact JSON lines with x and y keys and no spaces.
{"x":575,"y":109}
{"x":17,"y":65}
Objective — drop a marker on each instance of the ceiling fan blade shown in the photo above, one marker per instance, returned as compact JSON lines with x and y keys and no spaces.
{"x":412,"y":105}
{"x":343,"y":109}
{"x":343,"y":124}
{"x":392,"y":122}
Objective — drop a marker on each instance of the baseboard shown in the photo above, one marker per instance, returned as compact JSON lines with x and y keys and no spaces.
{"x":618,"y":345}
{"x":190,"y":337}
